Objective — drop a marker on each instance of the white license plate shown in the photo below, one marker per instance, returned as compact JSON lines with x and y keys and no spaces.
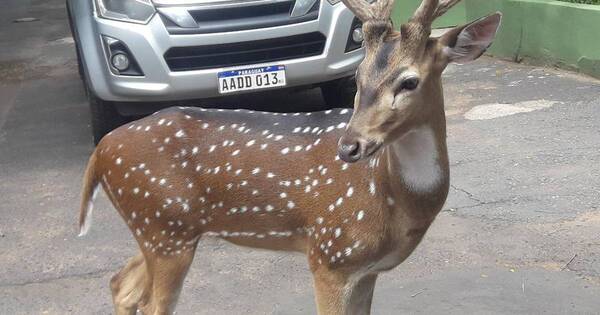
{"x":251,"y":79}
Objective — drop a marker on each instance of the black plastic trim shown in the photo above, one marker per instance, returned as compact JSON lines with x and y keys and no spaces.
{"x":242,"y":18}
{"x":350,"y":44}
{"x":134,"y":69}
{"x":244,"y":53}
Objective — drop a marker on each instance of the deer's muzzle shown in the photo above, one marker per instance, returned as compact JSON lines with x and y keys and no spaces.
{"x":352,"y":148}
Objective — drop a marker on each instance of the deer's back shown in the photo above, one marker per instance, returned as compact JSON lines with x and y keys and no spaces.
{"x":250,"y":177}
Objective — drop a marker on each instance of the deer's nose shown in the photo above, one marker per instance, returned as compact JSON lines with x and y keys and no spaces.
{"x":349,"y":149}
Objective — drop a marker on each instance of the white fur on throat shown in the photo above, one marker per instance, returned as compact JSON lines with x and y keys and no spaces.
{"x":418,"y":160}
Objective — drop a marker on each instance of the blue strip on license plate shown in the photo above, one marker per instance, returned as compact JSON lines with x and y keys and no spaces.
{"x":234,"y":73}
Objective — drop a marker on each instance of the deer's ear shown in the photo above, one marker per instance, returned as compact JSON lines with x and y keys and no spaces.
{"x":468,"y":42}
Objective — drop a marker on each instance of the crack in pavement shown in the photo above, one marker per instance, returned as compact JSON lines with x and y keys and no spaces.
{"x":482,"y":203}
{"x":9,"y":93}
{"x":470,"y":195}
{"x":88,"y":275}
{"x":528,"y":155}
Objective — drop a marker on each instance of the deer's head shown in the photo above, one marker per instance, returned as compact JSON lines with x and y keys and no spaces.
{"x":399,"y":81}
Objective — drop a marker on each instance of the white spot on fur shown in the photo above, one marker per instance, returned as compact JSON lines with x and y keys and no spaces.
{"x":350,"y":192}
{"x":372,"y":188}
{"x":338,"y":232}
{"x":360,"y":215}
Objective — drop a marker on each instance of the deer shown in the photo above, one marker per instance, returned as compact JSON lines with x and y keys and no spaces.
{"x":353,"y":190}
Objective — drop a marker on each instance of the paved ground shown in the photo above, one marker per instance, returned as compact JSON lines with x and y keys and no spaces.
{"x":519,"y":233}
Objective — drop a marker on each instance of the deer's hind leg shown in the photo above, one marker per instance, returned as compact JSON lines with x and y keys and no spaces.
{"x":130,"y":286}
{"x":168,"y":273}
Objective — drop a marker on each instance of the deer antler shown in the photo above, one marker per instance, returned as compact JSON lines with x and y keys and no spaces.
{"x":425,"y":11}
{"x":420,"y":24}
{"x":375,"y":16}
{"x":444,"y":6}
{"x":360,"y":8}
{"x":429,"y":10}
{"x":371,"y":10}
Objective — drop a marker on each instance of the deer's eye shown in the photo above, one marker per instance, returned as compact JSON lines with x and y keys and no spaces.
{"x":409,"y":84}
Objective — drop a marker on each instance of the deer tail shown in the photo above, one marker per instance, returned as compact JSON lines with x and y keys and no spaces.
{"x":90,"y":189}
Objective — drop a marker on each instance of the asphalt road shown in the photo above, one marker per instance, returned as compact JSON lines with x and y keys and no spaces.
{"x":520,"y":233}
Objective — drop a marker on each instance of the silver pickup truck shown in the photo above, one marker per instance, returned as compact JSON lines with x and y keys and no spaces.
{"x":140,"y":51}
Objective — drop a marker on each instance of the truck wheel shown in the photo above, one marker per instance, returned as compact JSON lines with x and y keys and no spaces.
{"x":79,"y":63}
{"x":104,"y":115}
{"x":75,"y":40}
{"x":339,"y":93}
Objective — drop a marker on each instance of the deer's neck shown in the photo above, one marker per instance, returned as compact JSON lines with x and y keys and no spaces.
{"x":414,"y":169}
{"x":415,"y":158}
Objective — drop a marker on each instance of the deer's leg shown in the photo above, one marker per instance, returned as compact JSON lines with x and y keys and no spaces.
{"x":340,"y":294}
{"x":362,"y":295}
{"x":129,"y":285}
{"x":168,"y":273}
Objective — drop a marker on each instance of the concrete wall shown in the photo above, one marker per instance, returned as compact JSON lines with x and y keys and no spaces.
{"x":544,"y":32}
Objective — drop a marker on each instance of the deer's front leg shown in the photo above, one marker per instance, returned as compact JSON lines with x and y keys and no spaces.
{"x":338,"y":293}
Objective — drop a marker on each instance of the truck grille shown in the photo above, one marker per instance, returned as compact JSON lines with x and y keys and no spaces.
{"x":236,"y":18}
{"x":244,"y":53}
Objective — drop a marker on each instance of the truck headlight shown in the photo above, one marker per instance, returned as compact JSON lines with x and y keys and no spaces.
{"x":134,"y":11}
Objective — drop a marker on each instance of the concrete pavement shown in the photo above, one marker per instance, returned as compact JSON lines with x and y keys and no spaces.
{"x":519,"y":233}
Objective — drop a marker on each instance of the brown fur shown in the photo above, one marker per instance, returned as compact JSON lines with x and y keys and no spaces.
{"x":275,"y":181}
{"x":382,"y":229}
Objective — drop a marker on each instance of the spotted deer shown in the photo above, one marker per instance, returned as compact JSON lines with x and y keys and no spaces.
{"x":353,"y":190}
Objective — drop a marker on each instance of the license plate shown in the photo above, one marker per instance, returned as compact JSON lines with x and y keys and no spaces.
{"x":251,"y":79}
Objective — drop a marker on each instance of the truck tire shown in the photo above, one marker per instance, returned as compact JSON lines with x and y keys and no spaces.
{"x":77,"y":52}
{"x":339,"y":93}
{"x":104,"y":116}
